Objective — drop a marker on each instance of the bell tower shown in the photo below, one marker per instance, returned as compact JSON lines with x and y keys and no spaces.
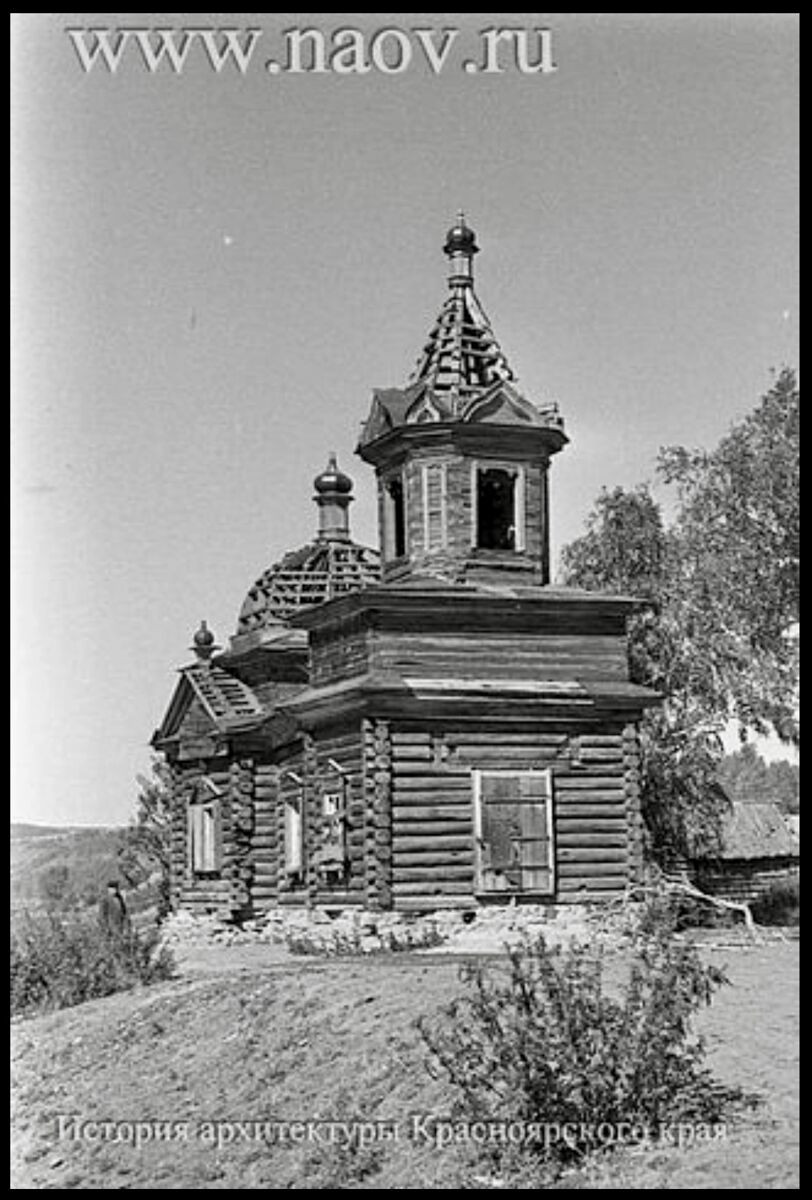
{"x":460,"y":455}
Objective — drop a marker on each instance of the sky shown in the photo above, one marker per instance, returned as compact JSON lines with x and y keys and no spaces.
{"x":211,"y":271}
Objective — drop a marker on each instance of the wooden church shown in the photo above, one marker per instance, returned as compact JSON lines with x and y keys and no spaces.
{"x":429,"y":726}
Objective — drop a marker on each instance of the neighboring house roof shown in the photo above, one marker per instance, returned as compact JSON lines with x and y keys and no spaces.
{"x":752,"y":831}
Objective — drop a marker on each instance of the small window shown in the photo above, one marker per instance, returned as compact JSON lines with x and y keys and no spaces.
{"x":294,"y":837}
{"x":331,"y":857}
{"x":205,"y":856}
{"x":395,"y":519}
{"x":496,"y":509}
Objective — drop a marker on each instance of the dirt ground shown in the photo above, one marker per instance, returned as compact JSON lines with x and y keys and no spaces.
{"x":249,"y":1035}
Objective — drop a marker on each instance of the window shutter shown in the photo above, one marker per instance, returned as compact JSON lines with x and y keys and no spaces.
{"x":513,"y":813}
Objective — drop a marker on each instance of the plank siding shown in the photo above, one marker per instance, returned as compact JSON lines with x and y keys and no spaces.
{"x":500,"y":656}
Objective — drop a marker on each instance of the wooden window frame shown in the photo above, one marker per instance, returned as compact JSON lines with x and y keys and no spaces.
{"x":390,"y":524}
{"x":428,"y":543}
{"x":293,"y":843}
{"x":477,"y":776}
{"x":205,"y":854}
{"x":519,"y":473}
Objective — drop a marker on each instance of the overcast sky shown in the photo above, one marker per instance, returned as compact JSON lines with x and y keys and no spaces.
{"x":211,"y":271}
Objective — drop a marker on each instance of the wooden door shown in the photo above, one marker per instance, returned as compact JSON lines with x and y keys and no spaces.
{"x":513,"y":827}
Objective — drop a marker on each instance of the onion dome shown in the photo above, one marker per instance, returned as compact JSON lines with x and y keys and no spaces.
{"x":332,"y":479}
{"x":329,"y":566}
{"x":460,"y":238}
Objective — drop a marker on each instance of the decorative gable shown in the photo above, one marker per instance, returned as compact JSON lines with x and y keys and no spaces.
{"x":207,"y":703}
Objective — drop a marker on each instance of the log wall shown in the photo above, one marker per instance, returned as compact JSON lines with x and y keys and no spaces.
{"x":595,"y":808}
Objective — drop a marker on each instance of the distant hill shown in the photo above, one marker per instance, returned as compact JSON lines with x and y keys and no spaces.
{"x":20,"y":831}
{"x":51,"y":863}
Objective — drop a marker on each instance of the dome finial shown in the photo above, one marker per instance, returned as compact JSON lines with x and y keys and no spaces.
{"x":333,"y":497}
{"x":203,"y":643}
{"x":460,"y":247}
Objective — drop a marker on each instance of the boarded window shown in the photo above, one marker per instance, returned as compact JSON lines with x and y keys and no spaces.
{"x":514,"y":838}
{"x":434,"y":506}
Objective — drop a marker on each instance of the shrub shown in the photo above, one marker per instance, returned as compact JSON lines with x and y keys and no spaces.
{"x":544,"y":1042}
{"x":58,"y":961}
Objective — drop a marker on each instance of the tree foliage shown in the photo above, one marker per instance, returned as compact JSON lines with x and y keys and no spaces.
{"x":716,"y":638}
{"x":736,"y":574}
{"x":146,"y":850}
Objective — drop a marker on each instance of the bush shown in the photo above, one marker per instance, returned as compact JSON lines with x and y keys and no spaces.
{"x":58,"y":961}
{"x":544,"y":1043}
{"x":780,"y":905}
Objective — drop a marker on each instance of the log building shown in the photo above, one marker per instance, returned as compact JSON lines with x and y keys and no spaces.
{"x":431,"y":726}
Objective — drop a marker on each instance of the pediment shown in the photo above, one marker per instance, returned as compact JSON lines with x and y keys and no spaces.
{"x":502,"y":405}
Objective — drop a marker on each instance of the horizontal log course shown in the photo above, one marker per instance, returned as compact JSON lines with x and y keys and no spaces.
{"x":412,"y":903}
{"x":410,"y":739}
{"x":573,"y":841}
{"x":424,"y":811}
{"x":576,"y":886}
{"x":403,"y":844}
{"x":506,"y":738}
{"x":441,"y":780}
{"x":450,"y":859}
{"x":566,"y":781}
{"x":574,"y":825}
{"x":428,"y":891}
{"x":431,"y":771}
{"x":602,"y":754}
{"x":592,"y":870}
{"x":432,"y":874}
{"x":269,"y":842}
{"x":425,"y":830}
{"x":337,"y":897}
{"x":590,"y":854}
{"x":412,"y":754}
{"x":604,"y":804}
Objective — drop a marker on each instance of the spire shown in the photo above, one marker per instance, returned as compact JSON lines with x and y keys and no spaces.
{"x":461,"y":357}
{"x":333,"y":497}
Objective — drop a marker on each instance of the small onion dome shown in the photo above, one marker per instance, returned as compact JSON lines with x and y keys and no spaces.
{"x":203,"y":643}
{"x":460,"y":239}
{"x":332,"y":479}
{"x":204,"y":637}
